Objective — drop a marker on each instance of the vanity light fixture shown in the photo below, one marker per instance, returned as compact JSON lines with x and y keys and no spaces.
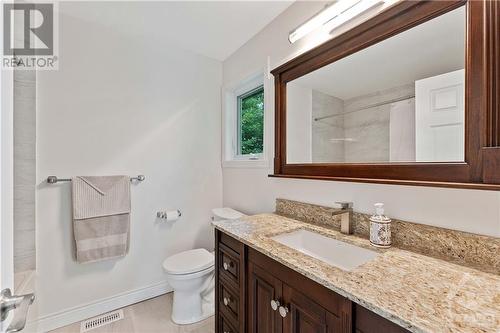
{"x":333,"y":16}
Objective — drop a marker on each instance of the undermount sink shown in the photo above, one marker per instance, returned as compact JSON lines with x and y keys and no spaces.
{"x":334,"y":252}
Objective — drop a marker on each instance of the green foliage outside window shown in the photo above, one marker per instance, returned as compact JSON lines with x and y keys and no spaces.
{"x":251,"y":118}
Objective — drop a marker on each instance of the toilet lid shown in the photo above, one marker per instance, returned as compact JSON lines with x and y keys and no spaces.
{"x":187,"y":262}
{"x":227,"y":213}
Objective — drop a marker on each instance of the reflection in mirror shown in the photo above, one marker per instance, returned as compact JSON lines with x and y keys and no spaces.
{"x":401,"y":100}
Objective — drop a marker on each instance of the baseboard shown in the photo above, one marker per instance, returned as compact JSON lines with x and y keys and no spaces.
{"x":76,"y":314}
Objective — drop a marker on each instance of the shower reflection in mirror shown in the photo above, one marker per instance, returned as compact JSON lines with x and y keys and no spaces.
{"x":401,"y":100}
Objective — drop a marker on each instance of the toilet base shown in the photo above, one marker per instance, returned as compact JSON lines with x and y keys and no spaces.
{"x":190,"y":309}
{"x":194,"y":293}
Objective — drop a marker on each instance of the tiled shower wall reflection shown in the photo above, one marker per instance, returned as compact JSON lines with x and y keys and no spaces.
{"x":327,"y":136}
{"x":355,"y":132}
{"x":369,"y":128}
{"x":24,"y":169}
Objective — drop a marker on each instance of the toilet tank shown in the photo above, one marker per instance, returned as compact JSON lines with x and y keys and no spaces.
{"x":225,"y":213}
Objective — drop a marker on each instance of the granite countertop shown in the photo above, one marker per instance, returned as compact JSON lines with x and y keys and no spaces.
{"x":417,"y":292}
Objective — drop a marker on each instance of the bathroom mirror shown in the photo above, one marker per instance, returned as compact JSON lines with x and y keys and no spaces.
{"x":400,"y":100}
{"x":410,"y":96}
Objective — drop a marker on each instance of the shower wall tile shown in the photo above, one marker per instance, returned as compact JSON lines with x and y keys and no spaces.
{"x":368,"y":128}
{"x":25,"y":262}
{"x":24,"y":216}
{"x":327,"y":134}
{"x":24,"y":123}
{"x":25,"y":244}
{"x":24,"y":175}
{"x":359,"y":133}
{"x":24,"y":170}
{"x":23,"y":89}
{"x":25,"y":76}
{"x":369,"y":135}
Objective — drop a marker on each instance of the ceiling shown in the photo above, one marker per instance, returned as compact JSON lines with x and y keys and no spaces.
{"x":215,"y":29}
{"x":434,"y":47}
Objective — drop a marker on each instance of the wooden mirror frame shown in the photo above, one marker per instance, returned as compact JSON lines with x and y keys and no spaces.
{"x":481,"y":169}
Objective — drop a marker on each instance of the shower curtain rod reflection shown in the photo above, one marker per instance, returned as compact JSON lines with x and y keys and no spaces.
{"x":366,"y":107}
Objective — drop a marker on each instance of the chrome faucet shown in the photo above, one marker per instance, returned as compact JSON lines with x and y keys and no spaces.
{"x":345,"y":212}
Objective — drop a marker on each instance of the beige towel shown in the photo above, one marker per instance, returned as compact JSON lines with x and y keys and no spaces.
{"x":101,"y":217}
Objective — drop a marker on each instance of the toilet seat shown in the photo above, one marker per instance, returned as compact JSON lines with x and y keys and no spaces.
{"x":189,"y":262}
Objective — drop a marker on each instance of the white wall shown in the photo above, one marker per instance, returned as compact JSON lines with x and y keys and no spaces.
{"x":250,"y":190}
{"x":114,"y":108}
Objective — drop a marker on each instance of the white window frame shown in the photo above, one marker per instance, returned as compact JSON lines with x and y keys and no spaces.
{"x":230,"y":124}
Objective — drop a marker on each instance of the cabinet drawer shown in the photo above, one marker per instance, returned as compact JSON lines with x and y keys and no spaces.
{"x":231,"y":243}
{"x":229,"y":302}
{"x":229,"y":264}
{"x":230,"y":261}
{"x":225,"y":326}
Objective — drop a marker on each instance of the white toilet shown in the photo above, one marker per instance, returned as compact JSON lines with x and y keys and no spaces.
{"x":191,"y":275}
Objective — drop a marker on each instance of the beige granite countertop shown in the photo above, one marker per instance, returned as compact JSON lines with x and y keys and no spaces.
{"x":420,"y":293}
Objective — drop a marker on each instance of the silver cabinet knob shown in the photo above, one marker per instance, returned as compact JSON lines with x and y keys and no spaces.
{"x":275,"y":304}
{"x":283,"y":310}
{"x":227,"y":300}
{"x":227,"y":265}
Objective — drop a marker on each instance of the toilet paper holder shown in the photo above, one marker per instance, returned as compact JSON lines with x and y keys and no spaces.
{"x":163,"y":215}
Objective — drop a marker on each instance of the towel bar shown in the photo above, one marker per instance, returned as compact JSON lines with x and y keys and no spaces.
{"x":54,"y":179}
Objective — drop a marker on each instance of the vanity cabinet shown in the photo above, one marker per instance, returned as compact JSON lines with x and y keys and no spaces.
{"x":306,"y":316}
{"x":281,"y":300}
{"x":230,"y":287}
{"x":275,"y":307}
{"x":257,"y":294}
{"x":263,"y":291}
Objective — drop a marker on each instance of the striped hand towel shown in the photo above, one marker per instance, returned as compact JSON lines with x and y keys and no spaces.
{"x":101,"y":217}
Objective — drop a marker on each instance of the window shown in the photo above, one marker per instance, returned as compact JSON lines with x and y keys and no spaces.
{"x":245,"y":122}
{"x":250,"y":123}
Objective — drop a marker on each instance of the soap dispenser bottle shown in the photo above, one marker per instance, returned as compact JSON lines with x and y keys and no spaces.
{"x":380,"y":228}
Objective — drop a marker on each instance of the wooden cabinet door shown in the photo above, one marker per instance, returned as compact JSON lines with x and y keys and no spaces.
{"x":369,"y":322}
{"x":303,"y":315}
{"x":262,"y":289}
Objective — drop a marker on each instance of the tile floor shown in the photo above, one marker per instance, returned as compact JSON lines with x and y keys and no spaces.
{"x":149,"y":316}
